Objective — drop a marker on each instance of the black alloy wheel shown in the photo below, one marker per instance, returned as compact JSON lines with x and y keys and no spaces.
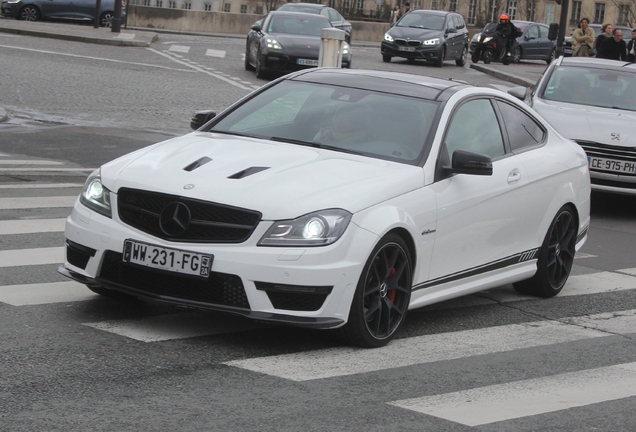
{"x":556,"y":257}
{"x":29,"y":13}
{"x":382,"y":296}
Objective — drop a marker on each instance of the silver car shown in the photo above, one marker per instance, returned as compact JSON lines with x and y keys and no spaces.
{"x":593,"y":102}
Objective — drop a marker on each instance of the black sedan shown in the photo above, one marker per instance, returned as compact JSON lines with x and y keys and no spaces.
{"x":287,"y":41}
{"x":333,"y":15}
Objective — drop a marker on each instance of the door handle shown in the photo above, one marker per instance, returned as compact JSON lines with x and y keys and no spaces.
{"x":514,"y":176}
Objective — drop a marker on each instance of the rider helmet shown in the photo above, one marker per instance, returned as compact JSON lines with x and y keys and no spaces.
{"x":503,"y":17}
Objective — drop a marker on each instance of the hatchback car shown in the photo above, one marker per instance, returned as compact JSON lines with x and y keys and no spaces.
{"x":532,"y":44}
{"x":427,"y":35}
{"x":330,"y":13}
{"x":287,"y":41}
{"x":35,"y":10}
{"x":593,"y":102}
{"x":298,"y":205}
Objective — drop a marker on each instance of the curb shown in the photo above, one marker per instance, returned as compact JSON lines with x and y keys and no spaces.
{"x":3,"y":115}
{"x":504,"y":76}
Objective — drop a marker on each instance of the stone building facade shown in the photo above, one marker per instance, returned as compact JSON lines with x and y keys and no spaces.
{"x":476,"y":12}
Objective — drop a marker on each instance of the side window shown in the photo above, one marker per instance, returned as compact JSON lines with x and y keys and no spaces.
{"x":533,"y":32}
{"x":334,"y":16}
{"x":474,"y":127}
{"x":543,"y":32}
{"x":458,"y":22}
{"x":523,"y":131}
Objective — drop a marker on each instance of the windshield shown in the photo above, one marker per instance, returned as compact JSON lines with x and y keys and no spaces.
{"x":430,"y":22}
{"x":594,"y":87}
{"x":298,"y":8}
{"x":343,"y":119}
{"x":297,"y":26}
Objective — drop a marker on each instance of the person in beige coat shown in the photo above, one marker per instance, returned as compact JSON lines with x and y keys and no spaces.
{"x":582,"y":39}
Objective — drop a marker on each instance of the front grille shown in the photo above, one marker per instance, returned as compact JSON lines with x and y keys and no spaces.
{"x":219,"y":289}
{"x":624,"y":154}
{"x":78,"y":255}
{"x":296,"y":301}
{"x":404,"y":42}
{"x":209,"y":222}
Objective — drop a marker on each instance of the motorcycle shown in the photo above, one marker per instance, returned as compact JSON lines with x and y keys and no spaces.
{"x":490,"y":46}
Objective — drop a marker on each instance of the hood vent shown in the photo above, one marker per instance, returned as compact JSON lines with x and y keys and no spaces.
{"x":247,"y":172}
{"x":196,"y":164}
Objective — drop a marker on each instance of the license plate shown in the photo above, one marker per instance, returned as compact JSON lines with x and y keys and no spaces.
{"x":307,"y":62}
{"x":173,"y":260}
{"x":403,"y":48}
{"x":611,"y":165}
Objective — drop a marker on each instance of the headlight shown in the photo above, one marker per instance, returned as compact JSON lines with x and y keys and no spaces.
{"x":95,"y":196}
{"x":320,"y":228}
{"x":486,"y":39}
{"x":387,"y":37}
{"x":273,"y":44}
{"x":475,"y":38}
{"x":345,"y":48}
{"x":431,"y":41}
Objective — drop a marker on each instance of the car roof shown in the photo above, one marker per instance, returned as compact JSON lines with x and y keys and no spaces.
{"x":432,"y":12}
{"x":596,"y":63}
{"x":297,"y":14}
{"x":306,"y":5}
{"x":420,"y":86}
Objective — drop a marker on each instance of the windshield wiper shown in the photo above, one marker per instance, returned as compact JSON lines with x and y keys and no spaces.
{"x":316,"y":145}
{"x":232,"y":133}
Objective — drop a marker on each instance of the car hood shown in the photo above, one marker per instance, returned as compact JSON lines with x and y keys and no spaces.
{"x":278,"y":179}
{"x":293,"y":44}
{"x":602,"y":125}
{"x":414,"y":33}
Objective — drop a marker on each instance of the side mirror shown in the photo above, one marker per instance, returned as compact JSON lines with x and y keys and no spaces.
{"x":200,"y":118}
{"x":451,"y":30}
{"x":468,"y":162}
{"x":553,"y":32}
{"x":257,"y":26}
{"x":519,"y":92}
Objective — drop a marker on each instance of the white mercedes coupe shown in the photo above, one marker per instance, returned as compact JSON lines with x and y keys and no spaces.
{"x":338,"y":199}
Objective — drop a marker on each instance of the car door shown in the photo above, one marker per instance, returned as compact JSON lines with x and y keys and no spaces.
{"x":545,"y":45}
{"x":452,"y":37}
{"x":479,"y":216}
{"x":530,"y":42}
{"x":56,"y":8}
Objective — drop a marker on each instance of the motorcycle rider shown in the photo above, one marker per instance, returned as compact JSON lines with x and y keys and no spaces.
{"x":507,"y":32}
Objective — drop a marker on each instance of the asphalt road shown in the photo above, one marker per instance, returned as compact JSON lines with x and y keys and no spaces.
{"x":73,"y":361}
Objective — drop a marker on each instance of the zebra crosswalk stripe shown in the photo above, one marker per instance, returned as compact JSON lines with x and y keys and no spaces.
{"x":508,"y":401}
{"x":29,"y":257}
{"x":38,"y":202}
{"x":31,"y":226}
{"x":45,"y":293}
{"x":329,"y":363}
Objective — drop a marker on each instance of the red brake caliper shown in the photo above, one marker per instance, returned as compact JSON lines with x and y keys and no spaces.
{"x":391,"y":294}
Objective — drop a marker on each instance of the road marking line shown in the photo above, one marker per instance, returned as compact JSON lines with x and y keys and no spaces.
{"x":175,"y":326}
{"x":335,"y":362}
{"x":28,"y":162}
{"x":525,"y":398}
{"x":54,"y":169}
{"x":31,"y":226}
{"x":198,"y":69}
{"x":41,"y":185}
{"x":36,"y":202}
{"x":45,"y":293}
{"x":25,"y":257}
{"x":215,"y":53}
{"x":631,"y":271}
{"x":179,"y":48}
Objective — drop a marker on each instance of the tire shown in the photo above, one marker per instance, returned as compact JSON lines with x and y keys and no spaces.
{"x":556,"y":257}
{"x":260,"y":70}
{"x":248,"y":66}
{"x":507,"y":60}
{"x":382,"y":296}
{"x":106,"y":20}
{"x":386,"y":58}
{"x":113,"y":294}
{"x":516,"y":55}
{"x":488,"y":56}
{"x":462,"y":60}
{"x":475,"y":57}
{"x":439,"y":61}
{"x":29,"y":13}
{"x":552,"y":56}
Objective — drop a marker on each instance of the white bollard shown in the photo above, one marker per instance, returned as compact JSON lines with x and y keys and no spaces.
{"x":331,"y":47}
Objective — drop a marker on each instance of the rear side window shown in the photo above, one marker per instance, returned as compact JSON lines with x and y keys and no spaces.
{"x":523,"y":131}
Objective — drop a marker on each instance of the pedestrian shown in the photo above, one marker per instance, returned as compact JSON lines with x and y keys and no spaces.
{"x":614,"y":48}
{"x":396,"y":13}
{"x":606,"y":32}
{"x":631,"y":48}
{"x":582,"y":39}
{"x":407,"y":8}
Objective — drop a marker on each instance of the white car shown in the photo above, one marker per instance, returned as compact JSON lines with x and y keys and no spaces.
{"x":593,"y":102}
{"x":338,"y":199}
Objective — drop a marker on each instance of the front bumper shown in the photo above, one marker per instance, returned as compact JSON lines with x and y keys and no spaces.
{"x":421,"y":52}
{"x":289,"y":63}
{"x":309,"y":287}
{"x":9,"y":10}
